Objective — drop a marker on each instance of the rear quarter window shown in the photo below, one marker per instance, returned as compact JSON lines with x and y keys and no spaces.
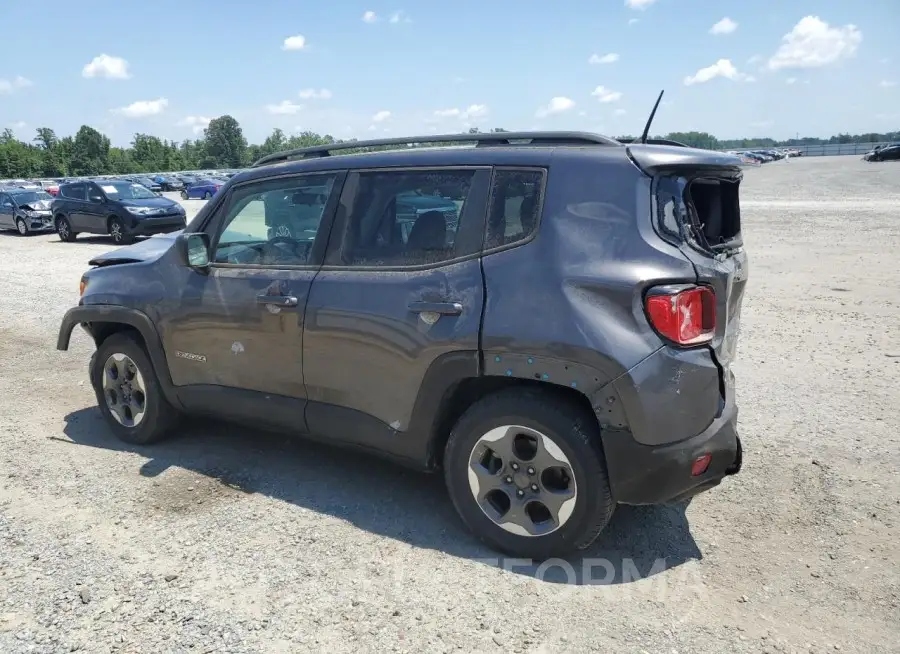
{"x":516,"y":201}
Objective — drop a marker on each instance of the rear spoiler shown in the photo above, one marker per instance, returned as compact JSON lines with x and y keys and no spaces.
{"x":653,"y":159}
{"x":677,"y":144}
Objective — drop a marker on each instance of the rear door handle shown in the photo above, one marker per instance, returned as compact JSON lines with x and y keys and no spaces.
{"x":443,"y":308}
{"x":277,"y":300}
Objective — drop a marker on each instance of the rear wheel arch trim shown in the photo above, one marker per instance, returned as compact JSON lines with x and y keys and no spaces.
{"x":435,"y":404}
{"x":129,"y":318}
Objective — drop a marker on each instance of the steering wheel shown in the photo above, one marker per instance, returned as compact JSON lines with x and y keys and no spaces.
{"x":296,"y":249}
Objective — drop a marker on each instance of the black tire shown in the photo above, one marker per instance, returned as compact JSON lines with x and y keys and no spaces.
{"x":21,"y":227}
{"x":577,"y":434}
{"x":160,"y":416}
{"x":117,"y":231}
{"x":207,"y":195}
{"x":184,"y":194}
{"x":64,"y":229}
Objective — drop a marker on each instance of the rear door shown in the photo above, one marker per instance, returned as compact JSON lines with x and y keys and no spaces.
{"x":393,"y":299}
{"x":234,"y":344}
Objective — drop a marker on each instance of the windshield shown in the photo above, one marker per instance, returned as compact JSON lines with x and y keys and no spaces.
{"x":127,"y":191}
{"x":28,"y":198}
{"x":145,"y":181}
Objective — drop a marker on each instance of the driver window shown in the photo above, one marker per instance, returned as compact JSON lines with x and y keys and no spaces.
{"x":274,"y":222}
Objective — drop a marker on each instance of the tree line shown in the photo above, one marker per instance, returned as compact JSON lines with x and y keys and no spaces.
{"x":223,"y":145}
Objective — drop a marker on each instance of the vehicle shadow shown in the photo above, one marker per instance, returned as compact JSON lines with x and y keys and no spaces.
{"x":99,"y":239}
{"x":389,"y":500}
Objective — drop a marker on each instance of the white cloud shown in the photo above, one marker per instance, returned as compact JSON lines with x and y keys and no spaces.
{"x":283,"y":108}
{"x":314,"y":94}
{"x":106,"y":66}
{"x":633,"y":21}
{"x":369,"y":17}
{"x":605,"y":95}
{"x":722,"y":68}
{"x":755,"y":59}
{"x":447,"y":113}
{"x":196,"y":123}
{"x":557,"y":105}
{"x":886,"y":84}
{"x":619,"y":112}
{"x":13,"y":85}
{"x":475,"y":111}
{"x":381,"y":116}
{"x":400,"y":17}
{"x":749,"y":78}
{"x":297,"y":42}
{"x":813,"y":43}
{"x":884,"y":60}
{"x":20,"y":125}
{"x":638,"y":4}
{"x":143,"y":108}
{"x":610,"y":58}
{"x":724,"y":26}
{"x":790,"y":80}
{"x":372,"y":128}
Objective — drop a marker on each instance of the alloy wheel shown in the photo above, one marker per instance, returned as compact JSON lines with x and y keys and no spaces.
{"x":22,"y":227}
{"x":63,"y":229}
{"x":124,"y":390}
{"x":115,"y":230}
{"x":522,"y":480}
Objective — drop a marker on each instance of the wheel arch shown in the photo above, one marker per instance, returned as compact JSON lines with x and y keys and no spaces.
{"x":457,"y":380}
{"x":102,"y":321}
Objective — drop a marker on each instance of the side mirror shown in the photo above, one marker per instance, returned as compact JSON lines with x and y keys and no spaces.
{"x":193,"y":250}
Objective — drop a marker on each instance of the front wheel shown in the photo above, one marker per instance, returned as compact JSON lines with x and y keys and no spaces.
{"x":64,"y":229}
{"x":527,"y":475}
{"x":117,"y":230}
{"x":129,"y":393}
{"x":21,"y":227}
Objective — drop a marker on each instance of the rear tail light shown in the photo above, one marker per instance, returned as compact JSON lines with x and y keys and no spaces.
{"x":686,"y":317}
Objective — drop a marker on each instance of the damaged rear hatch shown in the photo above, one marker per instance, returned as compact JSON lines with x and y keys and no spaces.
{"x":697,"y":208}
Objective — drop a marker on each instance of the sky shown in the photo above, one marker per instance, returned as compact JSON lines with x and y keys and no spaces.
{"x":407,"y":67}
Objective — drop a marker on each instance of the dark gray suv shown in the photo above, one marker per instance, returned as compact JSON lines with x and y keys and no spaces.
{"x":556,"y":336}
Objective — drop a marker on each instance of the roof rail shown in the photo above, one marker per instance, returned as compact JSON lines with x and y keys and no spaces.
{"x":479,"y":139}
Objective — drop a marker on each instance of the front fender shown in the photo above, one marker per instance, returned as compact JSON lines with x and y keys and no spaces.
{"x":92,"y":316}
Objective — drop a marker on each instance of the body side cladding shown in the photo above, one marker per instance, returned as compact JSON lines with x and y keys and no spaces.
{"x":90,"y":315}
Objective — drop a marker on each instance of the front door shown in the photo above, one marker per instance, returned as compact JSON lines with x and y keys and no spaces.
{"x":76,"y":204}
{"x":235,"y":344}
{"x":401,"y":289}
{"x":7,"y":211}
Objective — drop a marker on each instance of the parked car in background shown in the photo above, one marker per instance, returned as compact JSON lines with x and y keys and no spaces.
{"x":147,"y":182}
{"x":188,"y":180}
{"x":25,"y":211}
{"x":168,"y":183}
{"x":203,"y":189}
{"x":428,"y":345}
{"x":884,"y":153}
{"x":49,"y":185}
{"x":119,"y":208}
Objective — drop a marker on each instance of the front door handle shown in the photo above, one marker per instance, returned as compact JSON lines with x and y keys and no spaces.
{"x":277,"y":300}
{"x":443,"y":308}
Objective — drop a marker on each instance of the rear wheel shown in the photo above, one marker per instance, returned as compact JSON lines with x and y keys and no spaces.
{"x":21,"y":227}
{"x":207,"y":195}
{"x":184,"y":194}
{"x":526,"y":473}
{"x":128,"y":391}
{"x":64,"y":229}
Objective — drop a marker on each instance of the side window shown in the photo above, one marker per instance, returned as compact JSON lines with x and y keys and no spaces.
{"x":5,"y":200}
{"x":274,"y":222}
{"x":75,"y":192}
{"x":515,"y":206}
{"x":405,"y":218}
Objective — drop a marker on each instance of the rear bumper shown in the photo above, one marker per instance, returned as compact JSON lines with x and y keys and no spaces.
{"x":643,"y":474}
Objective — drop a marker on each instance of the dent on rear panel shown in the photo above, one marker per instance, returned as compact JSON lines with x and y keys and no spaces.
{"x":671,"y":395}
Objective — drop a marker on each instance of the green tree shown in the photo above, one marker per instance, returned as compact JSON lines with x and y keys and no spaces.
{"x":90,"y":152}
{"x":226,"y":146}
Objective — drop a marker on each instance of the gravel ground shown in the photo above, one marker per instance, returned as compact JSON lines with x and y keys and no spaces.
{"x":229,"y":540}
